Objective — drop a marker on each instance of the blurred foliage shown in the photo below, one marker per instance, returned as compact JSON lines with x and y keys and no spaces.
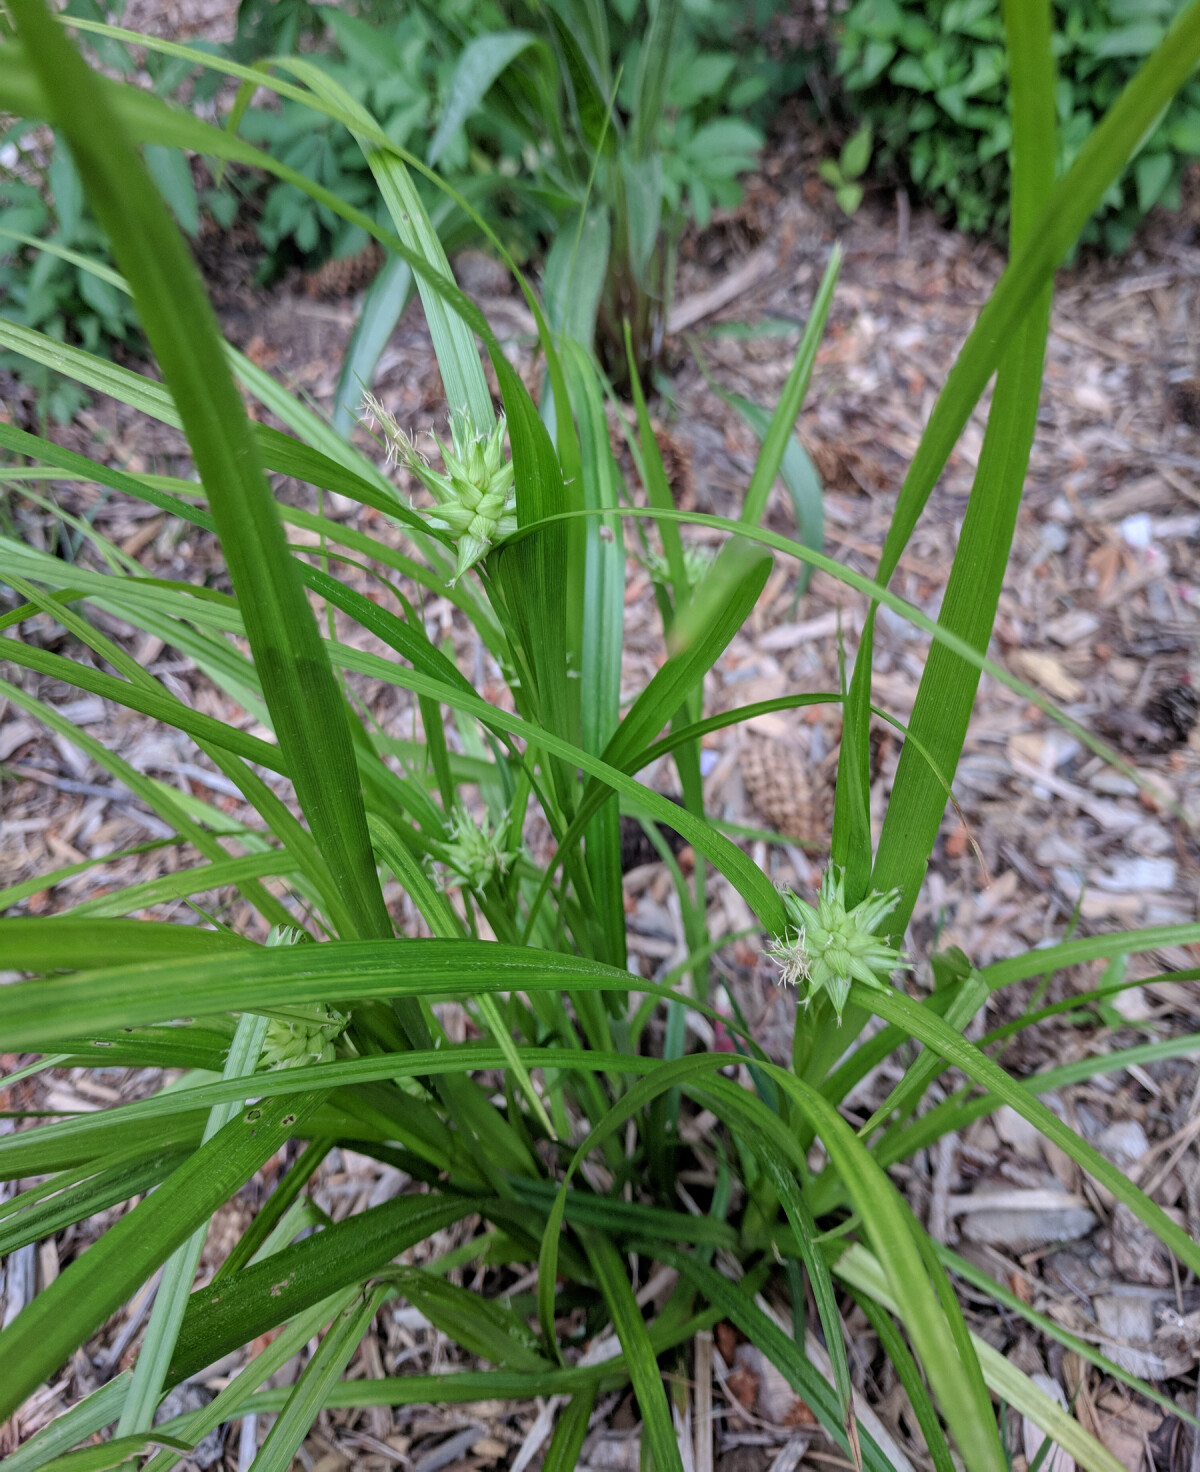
{"x":843,"y":173}
{"x":42,"y":199}
{"x":931,"y":76}
{"x":555,"y":110}
{"x":523,"y":105}
{"x":405,"y":67}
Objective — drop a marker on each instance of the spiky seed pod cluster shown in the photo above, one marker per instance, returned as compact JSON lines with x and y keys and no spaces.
{"x":297,"y":1042}
{"x":829,"y":947}
{"x":476,"y":500}
{"x":306,"y":1034}
{"x":697,"y":559}
{"x":473,"y":853}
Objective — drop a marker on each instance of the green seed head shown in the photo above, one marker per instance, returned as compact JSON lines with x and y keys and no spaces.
{"x":697,"y":559}
{"x":476,"y":502}
{"x":829,"y":947}
{"x":473,"y":853}
{"x":301,"y":1040}
{"x":305,"y":1034}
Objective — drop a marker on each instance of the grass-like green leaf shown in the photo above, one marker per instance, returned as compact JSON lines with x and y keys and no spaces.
{"x":482,"y":1326}
{"x":788,"y":1357}
{"x":248,"y":1303}
{"x":983,"y":1283}
{"x":194,"y":1427}
{"x":382,"y":308}
{"x":602,"y":610}
{"x":1044,"y":962}
{"x":947,"y":692}
{"x":84,"y":1418}
{"x":919,"y":1022}
{"x":114,"y":1453}
{"x":928,"y":1316}
{"x":32,"y":1220}
{"x":479,"y":63}
{"x":307,"y":1399}
{"x":769,"y":1138}
{"x":778,"y":435}
{"x":157,"y":797}
{"x":658,"y":1430}
{"x":650,"y":85}
{"x":799,"y":476}
{"x":67,"y":1143}
{"x":256,"y":977}
{"x":1046,"y":240}
{"x":62,"y":1316}
{"x":179,"y":1270}
{"x":454,"y":345}
{"x":562,"y":1455}
{"x":307,"y":707}
{"x":860,"y":1270}
{"x":61,"y":943}
{"x":892,"y":1343}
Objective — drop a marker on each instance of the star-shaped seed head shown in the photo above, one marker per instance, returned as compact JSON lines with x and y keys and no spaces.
{"x":828,"y":947}
{"x":473,"y":853}
{"x":476,"y":501}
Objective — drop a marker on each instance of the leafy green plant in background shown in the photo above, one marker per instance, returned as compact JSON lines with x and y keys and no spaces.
{"x":43,"y":204}
{"x":615,"y":124}
{"x":648,"y":144}
{"x":510,"y":101}
{"x":931,"y":79}
{"x":570,"y":1045}
{"x":49,"y":291}
{"x":389,"y":66}
{"x":843,"y":173}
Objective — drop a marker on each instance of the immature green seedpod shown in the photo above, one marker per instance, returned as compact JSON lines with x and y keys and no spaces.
{"x":831,"y":946}
{"x":697,"y":560}
{"x":473,"y":853}
{"x":299,"y":1041}
{"x":307,"y":1034}
{"x":476,"y":501}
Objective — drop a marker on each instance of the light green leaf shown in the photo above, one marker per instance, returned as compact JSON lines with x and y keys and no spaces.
{"x":321,"y":1373}
{"x":479,"y":63}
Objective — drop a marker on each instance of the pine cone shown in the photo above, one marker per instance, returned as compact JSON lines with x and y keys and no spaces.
{"x":1175,"y":709}
{"x":636,"y":848}
{"x":346,"y":275}
{"x":1183,"y":402}
{"x":779,"y":786}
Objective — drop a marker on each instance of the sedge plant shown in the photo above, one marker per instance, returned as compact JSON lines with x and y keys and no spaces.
{"x":554,"y":1137}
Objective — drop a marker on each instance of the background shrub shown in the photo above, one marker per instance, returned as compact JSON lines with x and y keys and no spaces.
{"x":723,"y":86}
{"x":404,"y":66}
{"x":42,"y":200}
{"x":931,"y":76}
